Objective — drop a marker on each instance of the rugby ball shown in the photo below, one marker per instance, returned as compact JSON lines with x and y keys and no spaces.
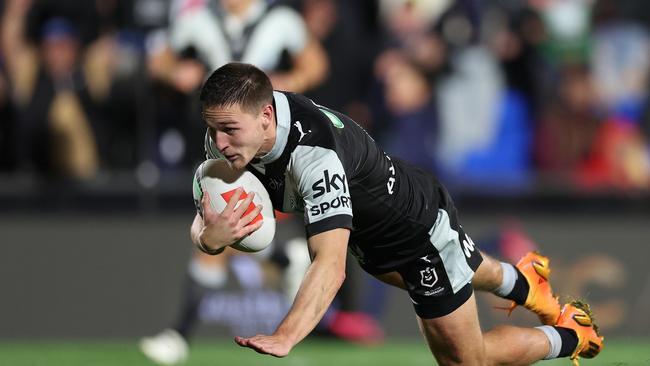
{"x":216,"y":177}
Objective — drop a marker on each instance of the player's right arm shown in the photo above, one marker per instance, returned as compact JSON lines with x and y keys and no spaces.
{"x":195,"y":229}
{"x":317,"y":290}
{"x":214,"y":231}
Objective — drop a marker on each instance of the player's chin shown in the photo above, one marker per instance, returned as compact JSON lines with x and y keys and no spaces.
{"x":238,"y":163}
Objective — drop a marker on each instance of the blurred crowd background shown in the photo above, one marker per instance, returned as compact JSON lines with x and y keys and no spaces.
{"x":533,"y":107}
{"x":493,"y":96}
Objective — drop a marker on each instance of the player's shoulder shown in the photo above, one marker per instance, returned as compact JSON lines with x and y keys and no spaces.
{"x":310,"y":124}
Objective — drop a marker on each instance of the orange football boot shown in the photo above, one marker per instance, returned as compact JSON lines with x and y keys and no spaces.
{"x":578,"y":316}
{"x":540,"y":299}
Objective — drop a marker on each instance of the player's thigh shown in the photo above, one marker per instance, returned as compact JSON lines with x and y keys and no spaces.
{"x":456,"y":338}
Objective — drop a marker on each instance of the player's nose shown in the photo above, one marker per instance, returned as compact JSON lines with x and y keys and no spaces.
{"x":221,"y":141}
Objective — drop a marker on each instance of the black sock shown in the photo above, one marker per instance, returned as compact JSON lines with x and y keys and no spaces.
{"x":569,"y":341}
{"x":519,"y":292}
{"x":188,"y":315}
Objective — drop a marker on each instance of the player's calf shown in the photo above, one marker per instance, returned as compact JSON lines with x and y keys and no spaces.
{"x":527,"y":284}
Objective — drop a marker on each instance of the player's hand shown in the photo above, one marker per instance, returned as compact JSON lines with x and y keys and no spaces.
{"x":274,"y":345}
{"x":221,"y":229}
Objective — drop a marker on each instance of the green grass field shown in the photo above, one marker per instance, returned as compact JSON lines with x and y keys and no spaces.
{"x":310,"y":353}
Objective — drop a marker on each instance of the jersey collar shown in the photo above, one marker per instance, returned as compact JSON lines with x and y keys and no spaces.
{"x":283,"y":119}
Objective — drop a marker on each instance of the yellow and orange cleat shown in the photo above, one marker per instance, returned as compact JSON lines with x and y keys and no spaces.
{"x":540,"y":299}
{"x":578,"y":316}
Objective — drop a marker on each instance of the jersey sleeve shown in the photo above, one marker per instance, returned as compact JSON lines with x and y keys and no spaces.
{"x":321,"y":182}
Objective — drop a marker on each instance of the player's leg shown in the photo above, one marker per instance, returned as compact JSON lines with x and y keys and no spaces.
{"x":451,"y":328}
{"x":526,"y":284}
{"x":489,"y":275}
{"x":455,"y":336}
{"x":456,"y":339}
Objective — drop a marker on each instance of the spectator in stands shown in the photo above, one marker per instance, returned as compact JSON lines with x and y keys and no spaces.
{"x":55,"y":132}
{"x":7,"y":139}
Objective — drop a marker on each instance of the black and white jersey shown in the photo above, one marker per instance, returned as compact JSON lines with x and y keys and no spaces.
{"x":263,"y":36}
{"x":327,"y":166}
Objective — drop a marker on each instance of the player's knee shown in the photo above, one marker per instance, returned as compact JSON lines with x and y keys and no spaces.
{"x":453,"y":356}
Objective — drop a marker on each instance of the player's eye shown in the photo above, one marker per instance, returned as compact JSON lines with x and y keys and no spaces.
{"x":228,"y":130}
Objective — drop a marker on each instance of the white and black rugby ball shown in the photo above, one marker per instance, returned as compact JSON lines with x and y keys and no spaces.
{"x":218,"y":179}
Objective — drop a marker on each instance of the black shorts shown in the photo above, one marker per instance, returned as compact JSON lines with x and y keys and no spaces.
{"x":440,"y":281}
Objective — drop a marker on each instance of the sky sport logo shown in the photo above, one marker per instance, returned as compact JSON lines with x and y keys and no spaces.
{"x":328,"y":182}
{"x":227,"y":195}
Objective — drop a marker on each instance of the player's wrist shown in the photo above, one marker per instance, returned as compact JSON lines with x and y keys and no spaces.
{"x":206,"y":249}
{"x":288,"y":336}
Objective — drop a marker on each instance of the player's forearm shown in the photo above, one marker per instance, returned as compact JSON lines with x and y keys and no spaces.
{"x":195,"y":229}
{"x":319,"y":286}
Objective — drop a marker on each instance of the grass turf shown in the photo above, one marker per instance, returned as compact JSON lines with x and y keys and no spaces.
{"x":621,"y":352}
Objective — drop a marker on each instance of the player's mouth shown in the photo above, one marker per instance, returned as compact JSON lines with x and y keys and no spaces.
{"x":231,"y":158}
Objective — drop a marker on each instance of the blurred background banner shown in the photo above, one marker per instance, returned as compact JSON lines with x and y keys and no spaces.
{"x":535,"y":114}
{"x":120,"y":276}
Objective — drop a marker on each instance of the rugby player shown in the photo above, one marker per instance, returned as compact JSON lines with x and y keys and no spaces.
{"x":397,"y":220}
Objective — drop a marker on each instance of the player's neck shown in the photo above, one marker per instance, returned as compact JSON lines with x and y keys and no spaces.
{"x":270,"y":135}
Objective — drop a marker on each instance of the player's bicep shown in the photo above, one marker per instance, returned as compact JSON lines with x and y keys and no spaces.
{"x":331,"y":246}
{"x":323,"y":185}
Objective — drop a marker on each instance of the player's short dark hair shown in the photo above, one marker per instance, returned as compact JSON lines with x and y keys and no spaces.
{"x":237,"y":84}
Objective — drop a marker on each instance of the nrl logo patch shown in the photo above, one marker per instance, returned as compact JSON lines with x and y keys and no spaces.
{"x":429,"y":277}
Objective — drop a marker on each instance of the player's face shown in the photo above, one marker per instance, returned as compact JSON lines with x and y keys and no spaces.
{"x":239,"y":135}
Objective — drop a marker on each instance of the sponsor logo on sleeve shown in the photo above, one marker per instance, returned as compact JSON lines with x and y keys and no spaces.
{"x":330,"y":182}
{"x":323,"y":207}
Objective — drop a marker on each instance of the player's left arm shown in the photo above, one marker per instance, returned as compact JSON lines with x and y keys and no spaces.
{"x":319,"y":286}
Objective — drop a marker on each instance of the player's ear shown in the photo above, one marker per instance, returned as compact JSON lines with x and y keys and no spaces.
{"x":268,"y":114}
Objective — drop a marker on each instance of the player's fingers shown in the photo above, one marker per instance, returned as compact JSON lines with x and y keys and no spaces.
{"x":244,"y":205}
{"x":230,"y":206}
{"x":258,"y":346}
{"x":246,"y":219}
{"x":249,"y":229}
{"x":205,"y":204}
{"x":250,"y":343}
{"x":243,"y":342}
